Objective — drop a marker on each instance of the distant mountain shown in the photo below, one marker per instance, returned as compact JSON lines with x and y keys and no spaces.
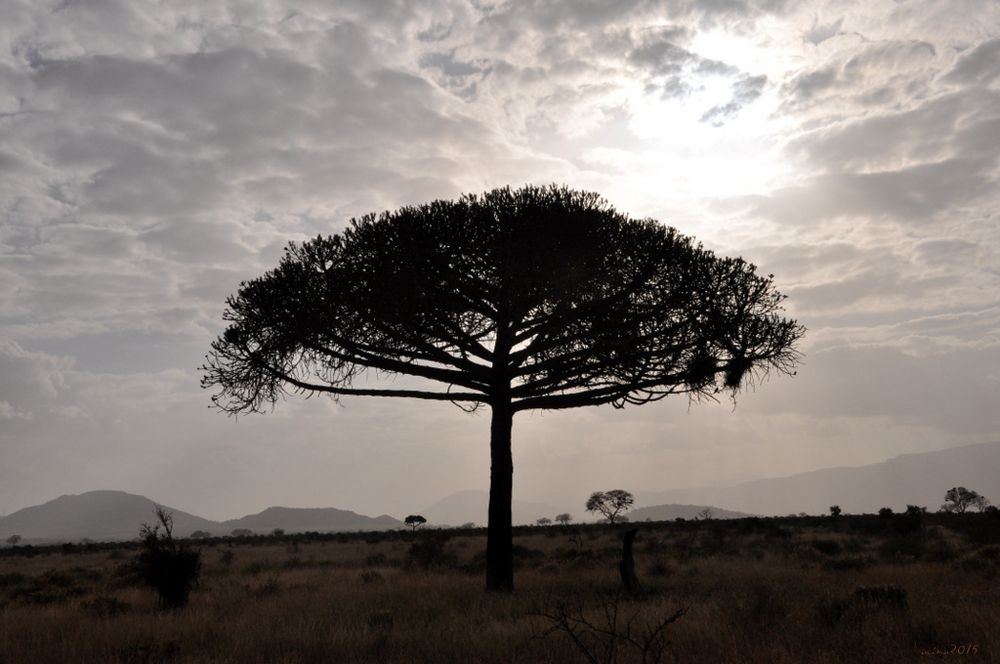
{"x":671,"y":512}
{"x":914,"y":479}
{"x":116,"y":515}
{"x":464,"y":506}
{"x":299,"y":519}
{"x":97,"y":515}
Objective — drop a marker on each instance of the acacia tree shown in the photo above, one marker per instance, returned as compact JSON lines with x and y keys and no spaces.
{"x":414,"y":521}
{"x":959,"y":499}
{"x":610,"y":503}
{"x":517,"y":299}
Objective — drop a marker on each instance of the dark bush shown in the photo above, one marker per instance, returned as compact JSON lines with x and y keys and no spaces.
{"x":370,"y":576}
{"x":661,"y":568}
{"x":827,"y":547}
{"x":167,"y":566}
{"x":911,"y":521}
{"x":885,"y":513}
{"x":903,"y":548}
{"x":429,"y":551}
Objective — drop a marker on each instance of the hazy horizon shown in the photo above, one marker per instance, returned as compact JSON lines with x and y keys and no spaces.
{"x":153,"y":157}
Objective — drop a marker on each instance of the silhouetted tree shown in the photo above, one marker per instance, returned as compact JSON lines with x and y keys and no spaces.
{"x":544,"y":521}
{"x":166,"y":565}
{"x":706,"y":514}
{"x":14,"y":540}
{"x":835,"y":511}
{"x":200,"y":534}
{"x":564,"y":518}
{"x":885,"y":513}
{"x":959,"y":499}
{"x":414,"y":521}
{"x":241,"y":532}
{"x":611,"y":504}
{"x":535,"y":298}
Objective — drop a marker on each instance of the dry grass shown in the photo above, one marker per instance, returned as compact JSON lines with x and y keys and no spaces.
{"x":793,"y":591}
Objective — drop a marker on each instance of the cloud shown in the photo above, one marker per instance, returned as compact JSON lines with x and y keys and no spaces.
{"x":745,"y":90}
{"x":875,"y":74}
{"x":980,"y":65}
{"x":820,"y":32}
{"x":31,"y":380}
{"x":912,"y":195}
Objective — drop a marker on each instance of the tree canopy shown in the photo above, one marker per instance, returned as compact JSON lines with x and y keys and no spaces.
{"x":959,"y":500}
{"x":610,"y":503}
{"x":516,"y":299}
{"x":586,"y":305}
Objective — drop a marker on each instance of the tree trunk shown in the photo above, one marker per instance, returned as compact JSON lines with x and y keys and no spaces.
{"x":499,"y":532}
{"x":627,"y":565}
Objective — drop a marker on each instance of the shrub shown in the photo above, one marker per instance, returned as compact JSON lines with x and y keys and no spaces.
{"x":167,"y":566}
{"x":370,"y":576}
{"x":885,"y":513}
{"x":380,"y":621}
{"x":661,"y":568}
{"x":105,"y":606}
{"x":428,"y":552}
{"x":266,"y":588}
{"x":610,"y":632}
{"x":827,"y":547}
{"x":376,"y":559}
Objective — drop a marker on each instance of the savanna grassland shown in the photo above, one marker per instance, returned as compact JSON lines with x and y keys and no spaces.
{"x":907,"y":588}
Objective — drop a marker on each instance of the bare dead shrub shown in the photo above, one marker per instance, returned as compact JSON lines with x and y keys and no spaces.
{"x":604,"y":634}
{"x":168,"y":566}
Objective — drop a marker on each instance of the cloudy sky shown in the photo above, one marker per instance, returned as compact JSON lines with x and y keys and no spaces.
{"x":155,"y":154}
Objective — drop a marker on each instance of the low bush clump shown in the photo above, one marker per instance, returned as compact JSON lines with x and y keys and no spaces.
{"x":167,"y":566}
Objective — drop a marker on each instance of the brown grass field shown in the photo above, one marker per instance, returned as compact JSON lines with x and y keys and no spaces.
{"x":813,"y":589}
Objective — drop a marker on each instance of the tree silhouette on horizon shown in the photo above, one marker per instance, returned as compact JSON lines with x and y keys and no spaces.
{"x":516,"y":299}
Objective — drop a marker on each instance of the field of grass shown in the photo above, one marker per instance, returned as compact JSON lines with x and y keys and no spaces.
{"x":853,"y":589}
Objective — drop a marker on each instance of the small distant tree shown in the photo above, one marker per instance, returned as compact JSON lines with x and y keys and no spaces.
{"x":14,"y":540}
{"x":610,"y":503}
{"x":885,"y":513}
{"x":706,"y":514}
{"x":544,"y":521}
{"x":959,"y":500}
{"x":468,"y":525}
{"x":200,"y":534}
{"x":278,"y":532}
{"x":414,"y":521}
{"x":835,"y":511}
{"x":242,"y":532}
{"x":165,"y":564}
{"x":564,"y":518}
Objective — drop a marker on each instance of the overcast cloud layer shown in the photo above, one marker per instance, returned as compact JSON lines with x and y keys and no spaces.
{"x":152,"y":155}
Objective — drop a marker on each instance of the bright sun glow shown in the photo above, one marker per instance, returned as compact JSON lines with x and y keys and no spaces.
{"x":686,"y":153}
